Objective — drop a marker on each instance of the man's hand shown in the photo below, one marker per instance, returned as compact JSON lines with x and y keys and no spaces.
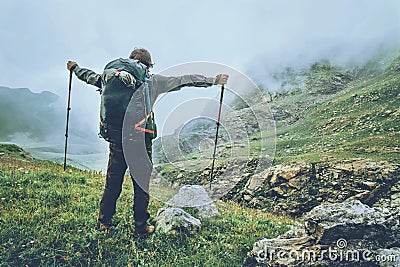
{"x":221,"y":79}
{"x":71,"y":65}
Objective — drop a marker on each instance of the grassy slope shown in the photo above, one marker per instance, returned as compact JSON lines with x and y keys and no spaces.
{"x":48,"y":217}
{"x":359,"y":120}
{"x":14,"y":151}
{"x":362,"y":120}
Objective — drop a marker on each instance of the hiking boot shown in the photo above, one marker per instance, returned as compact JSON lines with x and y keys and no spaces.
{"x":104,"y":224}
{"x":106,"y":228}
{"x":143,"y":231}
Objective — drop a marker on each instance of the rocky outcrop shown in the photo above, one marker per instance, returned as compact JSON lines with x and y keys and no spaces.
{"x":295,"y":188}
{"x":342,"y":234}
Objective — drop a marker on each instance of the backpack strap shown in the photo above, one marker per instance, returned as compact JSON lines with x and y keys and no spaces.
{"x":149,"y":111}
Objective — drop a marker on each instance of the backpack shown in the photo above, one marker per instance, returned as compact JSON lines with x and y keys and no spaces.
{"x":120,"y":79}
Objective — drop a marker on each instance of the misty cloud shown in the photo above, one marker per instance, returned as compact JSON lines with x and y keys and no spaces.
{"x":256,"y":37}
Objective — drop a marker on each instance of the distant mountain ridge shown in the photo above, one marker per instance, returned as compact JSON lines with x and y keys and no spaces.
{"x":28,"y":113}
{"x":36,"y":122}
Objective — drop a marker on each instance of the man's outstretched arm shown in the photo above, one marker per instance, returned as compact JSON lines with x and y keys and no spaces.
{"x":86,"y":75}
{"x":163,"y":84}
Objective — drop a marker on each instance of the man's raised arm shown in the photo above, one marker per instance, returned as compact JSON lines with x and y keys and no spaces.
{"x":86,"y":75}
{"x":163,"y":84}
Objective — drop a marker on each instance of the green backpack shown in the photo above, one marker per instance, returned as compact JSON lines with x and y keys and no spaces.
{"x":118,"y":88}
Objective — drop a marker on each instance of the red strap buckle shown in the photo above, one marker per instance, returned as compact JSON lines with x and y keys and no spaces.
{"x":117,"y":73}
{"x":137,"y":125}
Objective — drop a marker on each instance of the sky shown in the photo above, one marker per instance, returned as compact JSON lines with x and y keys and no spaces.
{"x":256,"y":37}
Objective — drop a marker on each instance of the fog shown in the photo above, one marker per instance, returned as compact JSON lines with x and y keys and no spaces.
{"x":257,"y":38}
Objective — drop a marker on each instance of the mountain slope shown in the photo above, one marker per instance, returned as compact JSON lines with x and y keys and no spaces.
{"x":25,"y":112}
{"x":361,"y":120}
{"x":357,"y":123}
{"x":36,"y":121}
{"x":324,"y":110}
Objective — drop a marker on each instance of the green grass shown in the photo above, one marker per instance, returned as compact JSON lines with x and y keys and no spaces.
{"x":14,"y":151}
{"x":48,"y":218}
{"x":363,"y":120}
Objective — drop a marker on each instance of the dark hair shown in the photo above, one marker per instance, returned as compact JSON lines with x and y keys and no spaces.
{"x":143,"y":56}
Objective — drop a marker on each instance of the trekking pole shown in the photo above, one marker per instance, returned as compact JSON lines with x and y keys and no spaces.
{"x":66,"y":128}
{"x":216,"y":135}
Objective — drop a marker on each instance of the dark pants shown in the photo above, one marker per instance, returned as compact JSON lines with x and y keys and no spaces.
{"x":113,"y":187}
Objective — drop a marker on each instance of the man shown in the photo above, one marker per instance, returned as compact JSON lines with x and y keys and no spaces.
{"x":156,"y":85}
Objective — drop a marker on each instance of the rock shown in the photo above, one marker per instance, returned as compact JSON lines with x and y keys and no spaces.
{"x":347,"y":167}
{"x":157,"y":180}
{"x":206,"y":173}
{"x":179,"y":176}
{"x":336,"y":185}
{"x":389,"y":257}
{"x":330,"y":222}
{"x":396,"y":187}
{"x":266,"y":251}
{"x":247,"y":198}
{"x":295,"y":183}
{"x":276,"y":191}
{"x":274,"y":180}
{"x":370,"y":185}
{"x":301,"y":186}
{"x":283,"y":173}
{"x":364,"y":197}
{"x":395,"y":199}
{"x":197,"y":197}
{"x":172,"y":220}
{"x":296,"y":231}
{"x":361,"y":233}
{"x":290,"y":172}
{"x":248,"y":192}
{"x":256,"y":202}
{"x":254,"y":182}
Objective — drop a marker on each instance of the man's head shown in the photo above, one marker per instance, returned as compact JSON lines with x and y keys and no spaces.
{"x":143,"y":56}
